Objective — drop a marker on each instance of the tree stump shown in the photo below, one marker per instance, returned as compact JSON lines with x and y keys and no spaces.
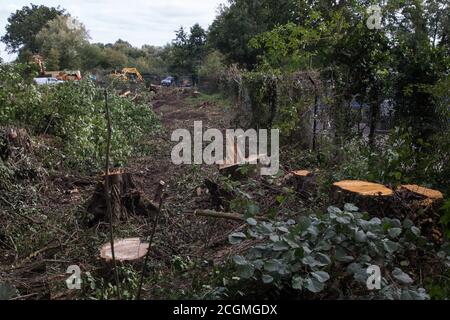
{"x":240,"y":170}
{"x":368,"y":196}
{"x":125,"y":250}
{"x":425,"y":197}
{"x":423,"y":208}
{"x":13,"y":141}
{"x":125,"y":198}
{"x":129,"y":252}
{"x":303,"y":181}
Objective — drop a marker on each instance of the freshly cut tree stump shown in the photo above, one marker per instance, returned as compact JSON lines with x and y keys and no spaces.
{"x":125,"y":250}
{"x":363,"y":188}
{"x":125,"y":198}
{"x":427,"y":197}
{"x":368,"y":196}
{"x":422,"y":205}
{"x":304,"y":181}
{"x":128,"y":252}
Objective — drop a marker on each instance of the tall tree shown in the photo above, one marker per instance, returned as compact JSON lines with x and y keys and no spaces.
{"x":25,"y":24}
{"x":66,"y":35}
{"x":188,"y":51}
{"x":241,"y":20}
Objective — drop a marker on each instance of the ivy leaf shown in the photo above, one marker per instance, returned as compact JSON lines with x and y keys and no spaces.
{"x":350,"y":207}
{"x":394,"y":232}
{"x":322,"y":259}
{"x":321,"y":276}
{"x":272,"y":265}
{"x":304,"y":223}
{"x":343,"y":219}
{"x":297,"y":283}
{"x":280,"y":246}
{"x":415,"y":231}
{"x":245,"y":271}
{"x":360,"y":236}
{"x":267,"y":278}
{"x":390,"y":246}
{"x":274,"y":238}
{"x":252,"y":209}
{"x":236,"y":237}
{"x":252,"y":221}
{"x":342,"y":256}
{"x":333,"y":211}
{"x":401,"y":276}
{"x":314,"y":285}
{"x":240,"y":260}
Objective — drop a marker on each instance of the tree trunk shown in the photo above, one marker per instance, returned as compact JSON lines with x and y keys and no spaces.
{"x":125,"y":198}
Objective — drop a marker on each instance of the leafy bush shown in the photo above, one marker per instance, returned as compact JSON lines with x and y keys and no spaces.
{"x":74,"y":113}
{"x":329,"y":255}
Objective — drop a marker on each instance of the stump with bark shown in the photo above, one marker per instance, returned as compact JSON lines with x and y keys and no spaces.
{"x":368,"y":196}
{"x":129,"y":251}
{"x":422,"y":205}
{"x":13,"y":141}
{"x":303,"y":181}
{"x":424,"y":197}
{"x":125,"y":198}
{"x":125,"y":250}
{"x":414,"y":202}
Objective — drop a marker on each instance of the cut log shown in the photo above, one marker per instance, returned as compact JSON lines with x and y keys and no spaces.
{"x":125,"y":198}
{"x":125,"y":250}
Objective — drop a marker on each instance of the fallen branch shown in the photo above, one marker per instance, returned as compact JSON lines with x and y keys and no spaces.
{"x":224,"y":215}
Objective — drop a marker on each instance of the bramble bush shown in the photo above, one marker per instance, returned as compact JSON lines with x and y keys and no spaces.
{"x":328,"y":255}
{"x":74,"y":113}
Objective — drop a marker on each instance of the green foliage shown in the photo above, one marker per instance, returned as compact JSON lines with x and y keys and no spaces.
{"x":74,"y":113}
{"x":396,"y":159}
{"x":241,"y":20}
{"x":328,"y":254}
{"x":61,"y":41}
{"x":188,"y":51}
{"x":24,"y":24}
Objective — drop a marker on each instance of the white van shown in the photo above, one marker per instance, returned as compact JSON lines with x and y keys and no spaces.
{"x":47,"y":81}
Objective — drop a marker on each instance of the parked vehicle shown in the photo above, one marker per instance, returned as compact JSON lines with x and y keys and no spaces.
{"x":47,"y":81}
{"x":167,"y":82}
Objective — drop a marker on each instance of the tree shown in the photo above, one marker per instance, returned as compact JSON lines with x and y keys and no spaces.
{"x":66,"y":35}
{"x":25,"y":24}
{"x":188,"y":51}
{"x":241,"y":20}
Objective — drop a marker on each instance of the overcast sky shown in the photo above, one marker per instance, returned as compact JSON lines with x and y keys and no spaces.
{"x":136,"y":21}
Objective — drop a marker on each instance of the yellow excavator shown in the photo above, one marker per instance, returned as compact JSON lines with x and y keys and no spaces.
{"x":129,"y":74}
{"x":60,"y":75}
